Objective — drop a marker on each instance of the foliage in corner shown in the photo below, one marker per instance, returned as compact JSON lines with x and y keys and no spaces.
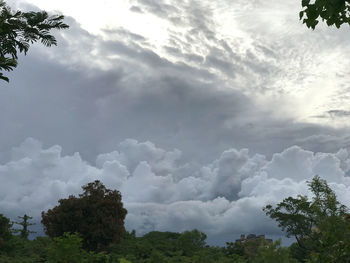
{"x":20,"y":29}
{"x":334,"y":12}
{"x":321,"y":226}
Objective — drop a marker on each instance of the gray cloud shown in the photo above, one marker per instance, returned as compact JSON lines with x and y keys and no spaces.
{"x":203,"y":98}
{"x":223,"y":197}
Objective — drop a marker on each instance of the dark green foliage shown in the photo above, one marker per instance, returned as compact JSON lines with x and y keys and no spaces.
{"x":191,"y":241}
{"x":97,"y":215}
{"x":5,"y":232}
{"x":153,"y":247}
{"x":334,"y":12}
{"x":68,"y":249}
{"x":20,"y":29}
{"x":273,"y":253}
{"x":21,"y":250}
{"x":235,"y":248}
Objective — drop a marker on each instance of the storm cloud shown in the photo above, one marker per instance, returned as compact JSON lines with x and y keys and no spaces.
{"x":237,"y":106}
{"x":161,"y":192}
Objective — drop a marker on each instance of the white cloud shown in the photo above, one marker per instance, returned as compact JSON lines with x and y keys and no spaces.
{"x":225,"y":196}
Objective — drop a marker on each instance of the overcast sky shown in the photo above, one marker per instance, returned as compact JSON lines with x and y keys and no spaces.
{"x":199,"y":112}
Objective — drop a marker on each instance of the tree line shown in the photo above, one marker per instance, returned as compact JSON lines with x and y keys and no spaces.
{"x":90,"y":228}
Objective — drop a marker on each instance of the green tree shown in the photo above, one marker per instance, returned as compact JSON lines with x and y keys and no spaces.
{"x":24,"y":232}
{"x":334,"y":12}
{"x":320,"y":226}
{"x":5,"y":232}
{"x":68,"y":249}
{"x":97,"y":215}
{"x":20,"y":29}
{"x":273,"y":253}
{"x":191,"y":241}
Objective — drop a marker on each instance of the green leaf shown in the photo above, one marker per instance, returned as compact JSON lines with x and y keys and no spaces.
{"x":4,"y":78}
{"x":18,"y":30}
{"x":305,"y":3}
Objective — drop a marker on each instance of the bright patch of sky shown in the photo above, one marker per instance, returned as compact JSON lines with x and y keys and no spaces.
{"x":95,"y":16}
{"x":304,"y":69}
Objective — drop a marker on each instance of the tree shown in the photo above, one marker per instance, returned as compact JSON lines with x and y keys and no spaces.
{"x":24,"y":232}
{"x":97,"y":215}
{"x":334,"y":12}
{"x":320,"y":226}
{"x":68,"y":249}
{"x":191,"y":241}
{"x":20,"y":29}
{"x":5,"y":232}
{"x":273,"y":253}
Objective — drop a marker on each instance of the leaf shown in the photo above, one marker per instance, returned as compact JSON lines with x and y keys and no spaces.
{"x":305,"y":3}
{"x":4,"y":78}
{"x":18,"y":30}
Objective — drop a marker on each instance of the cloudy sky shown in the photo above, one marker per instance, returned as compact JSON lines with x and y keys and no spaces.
{"x":199,"y":112}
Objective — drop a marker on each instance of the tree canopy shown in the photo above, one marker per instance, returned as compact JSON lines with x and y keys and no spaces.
{"x":321,"y":225}
{"x":333,"y":12}
{"x":20,"y":29}
{"x":5,"y":232}
{"x":97,"y":215}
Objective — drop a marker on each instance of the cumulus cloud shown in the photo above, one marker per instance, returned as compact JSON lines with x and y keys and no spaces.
{"x":223,"y":197}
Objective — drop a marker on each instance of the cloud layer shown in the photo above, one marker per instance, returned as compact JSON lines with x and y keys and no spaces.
{"x":224,"y":197}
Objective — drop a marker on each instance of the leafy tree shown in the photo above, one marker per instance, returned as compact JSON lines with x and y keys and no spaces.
{"x":320,"y":226}
{"x":334,"y":12}
{"x":166,"y":242}
{"x":273,"y":253}
{"x":235,"y":248}
{"x":97,"y":215}
{"x":191,"y":241}
{"x":24,"y":232}
{"x":20,"y":29}
{"x":68,"y":249}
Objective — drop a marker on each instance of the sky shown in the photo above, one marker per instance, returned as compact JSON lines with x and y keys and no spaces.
{"x":199,"y":112}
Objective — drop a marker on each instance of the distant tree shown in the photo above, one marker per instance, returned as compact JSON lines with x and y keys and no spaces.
{"x":334,"y":12}
{"x":247,"y":249}
{"x":20,"y":29}
{"x":191,"y":241}
{"x":97,"y":215}
{"x":24,"y":232}
{"x":68,"y":249}
{"x":5,"y":230}
{"x":274,"y":253}
{"x":235,"y":248}
{"x":162,"y":241}
{"x":321,"y":226}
